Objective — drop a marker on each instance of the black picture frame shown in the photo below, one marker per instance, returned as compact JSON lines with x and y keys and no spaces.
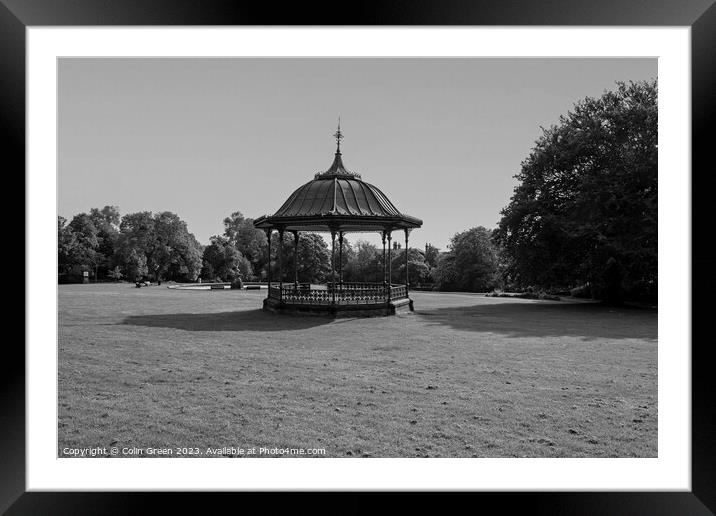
{"x":700,"y":15}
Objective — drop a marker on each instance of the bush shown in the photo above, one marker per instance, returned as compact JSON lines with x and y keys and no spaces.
{"x":497,"y":294}
{"x":585,"y":291}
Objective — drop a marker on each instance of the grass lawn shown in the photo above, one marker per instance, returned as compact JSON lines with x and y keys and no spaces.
{"x":462,"y":376}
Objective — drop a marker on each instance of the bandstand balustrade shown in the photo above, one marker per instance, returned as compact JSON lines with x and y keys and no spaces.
{"x":347,"y":293}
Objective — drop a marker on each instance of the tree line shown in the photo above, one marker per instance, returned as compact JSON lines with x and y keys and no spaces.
{"x":137,"y":245}
{"x":582,"y":219}
{"x":159,"y":247}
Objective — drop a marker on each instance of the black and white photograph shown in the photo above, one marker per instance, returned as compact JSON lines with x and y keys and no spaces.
{"x":441,"y":247}
{"x":357,"y":257}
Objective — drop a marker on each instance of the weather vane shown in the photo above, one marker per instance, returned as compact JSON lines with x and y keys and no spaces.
{"x":338,"y":136}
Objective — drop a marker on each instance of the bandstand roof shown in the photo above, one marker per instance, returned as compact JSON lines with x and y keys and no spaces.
{"x":338,"y":200}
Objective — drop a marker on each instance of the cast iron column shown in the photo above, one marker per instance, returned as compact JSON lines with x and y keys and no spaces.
{"x":268,"y":236}
{"x":280,"y":262}
{"x":390,"y":267}
{"x":333,"y":267}
{"x":406,"y":261}
{"x":383,"y":258}
{"x":295,"y":260}
{"x":340,"y":258}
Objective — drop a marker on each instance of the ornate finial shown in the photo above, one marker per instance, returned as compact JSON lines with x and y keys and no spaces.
{"x":337,"y":168}
{"x":338,"y":136}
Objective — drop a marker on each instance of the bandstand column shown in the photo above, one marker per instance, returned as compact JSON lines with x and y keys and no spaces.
{"x":280,"y":259}
{"x":295,"y":259}
{"x":333,"y":267}
{"x":390,"y":267}
{"x":268,"y":236}
{"x":407,"y":283}
{"x":383,"y":257}
{"x":340,"y":258}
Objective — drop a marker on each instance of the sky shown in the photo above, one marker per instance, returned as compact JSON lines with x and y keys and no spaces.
{"x":203,"y":137}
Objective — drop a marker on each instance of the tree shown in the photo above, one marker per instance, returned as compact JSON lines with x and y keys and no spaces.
{"x":250,"y":242}
{"x":365,"y":264}
{"x":88,"y":242}
{"x":245,"y":269}
{"x":135,"y":242}
{"x":432,"y":255}
{"x":314,"y":258}
{"x":106,"y":222}
{"x":160,"y":244}
{"x":346,"y":256}
{"x":85,"y":251}
{"x":66,"y":242}
{"x":220,"y":260}
{"x":107,"y":219}
{"x":444,"y":274}
{"x":471,"y":263}
{"x":135,"y":263}
{"x":177,"y":253}
{"x":418,"y":271}
{"x":585,"y":211}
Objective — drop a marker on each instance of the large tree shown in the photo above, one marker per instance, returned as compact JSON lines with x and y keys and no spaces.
{"x":432,"y":254}
{"x":314,"y":258}
{"x":66,"y":242}
{"x":248,"y":240}
{"x":106,"y":221}
{"x":418,"y":270}
{"x":161,"y":243}
{"x":135,"y":243}
{"x":134,"y":263}
{"x":220,"y":260}
{"x":470,"y":264}
{"x":585,"y":209}
{"x":85,"y":250}
{"x":177,"y":252}
{"x":365,"y":264}
{"x":346,"y":256}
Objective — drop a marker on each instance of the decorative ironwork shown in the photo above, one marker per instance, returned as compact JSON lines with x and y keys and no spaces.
{"x":398,"y":292}
{"x":340,"y":294}
{"x":338,"y":136}
{"x":355,"y":285}
{"x":336,"y":201}
{"x":305,"y":297}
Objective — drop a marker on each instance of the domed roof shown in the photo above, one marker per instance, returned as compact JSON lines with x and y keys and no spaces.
{"x":337,"y":193}
{"x":338,"y":200}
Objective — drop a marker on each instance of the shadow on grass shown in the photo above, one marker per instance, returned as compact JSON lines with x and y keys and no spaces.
{"x":545,"y":319}
{"x":249,"y":320}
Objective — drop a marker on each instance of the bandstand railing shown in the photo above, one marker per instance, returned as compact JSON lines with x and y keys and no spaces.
{"x":398,"y":292}
{"x":339,"y":293}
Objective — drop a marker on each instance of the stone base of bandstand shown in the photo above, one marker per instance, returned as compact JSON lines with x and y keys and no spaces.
{"x":398,"y":306}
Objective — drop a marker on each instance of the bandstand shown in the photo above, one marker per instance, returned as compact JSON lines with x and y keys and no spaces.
{"x":337,"y":201}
